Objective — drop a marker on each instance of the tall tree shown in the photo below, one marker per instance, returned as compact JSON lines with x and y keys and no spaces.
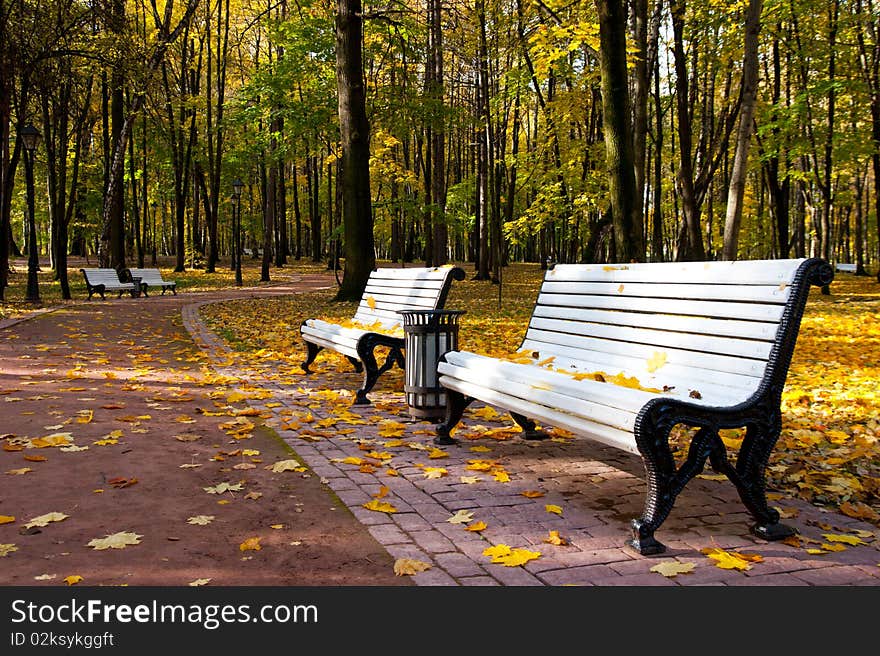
{"x":749,"y":94}
{"x":617,"y":126}
{"x":354,"y":131}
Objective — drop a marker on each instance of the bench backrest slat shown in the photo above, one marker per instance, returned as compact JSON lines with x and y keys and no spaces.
{"x":412,"y":288}
{"x":666,"y":324}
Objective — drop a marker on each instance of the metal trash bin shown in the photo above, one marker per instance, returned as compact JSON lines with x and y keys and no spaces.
{"x":428,"y":334}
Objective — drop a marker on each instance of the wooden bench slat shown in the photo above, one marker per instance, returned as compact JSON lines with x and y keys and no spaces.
{"x":718,"y":309}
{"x":409,"y":292}
{"x":730,"y":386}
{"x":757,"y":293}
{"x":411,"y":273}
{"x":744,"y":272}
{"x":556,"y":398}
{"x":604,"y":434}
{"x":758,"y":350}
{"x":547,"y":342}
{"x":696,"y":325}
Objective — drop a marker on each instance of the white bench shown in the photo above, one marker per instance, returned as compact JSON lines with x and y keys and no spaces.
{"x":99,"y":281}
{"x":376,"y":322}
{"x":846,"y":268}
{"x":708,"y":344}
{"x":152,"y":278}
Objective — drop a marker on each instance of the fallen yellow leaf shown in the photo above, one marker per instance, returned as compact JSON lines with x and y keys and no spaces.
{"x":115,"y":541}
{"x":409,"y":566}
{"x":251,"y":544}
{"x":552,"y":508}
{"x":73,"y":579}
{"x":671,"y":569}
{"x":380,"y":506}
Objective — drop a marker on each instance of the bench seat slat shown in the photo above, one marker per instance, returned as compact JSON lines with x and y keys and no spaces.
{"x":601,"y":433}
{"x":548,"y":342}
{"x":729,"y":388}
{"x":669,"y":322}
{"x":607,"y":393}
{"x":739,"y":293}
{"x":757,"y":350}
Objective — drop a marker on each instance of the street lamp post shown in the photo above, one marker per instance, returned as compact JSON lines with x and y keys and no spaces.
{"x":237,"y":186}
{"x":30,"y":138}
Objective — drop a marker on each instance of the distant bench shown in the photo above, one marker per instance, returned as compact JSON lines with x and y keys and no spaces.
{"x":846,"y":268}
{"x":100,"y":281}
{"x":702,"y":344}
{"x":152,"y":279}
{"x":376,"y":321}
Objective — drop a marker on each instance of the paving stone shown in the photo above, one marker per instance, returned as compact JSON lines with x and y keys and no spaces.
{"x":459,"y":566}
{"x":432,"y":542}
{"x":388,"y":534}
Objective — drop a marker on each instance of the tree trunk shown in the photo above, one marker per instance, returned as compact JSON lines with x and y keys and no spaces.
{"x":737,"y":188}
{"x":357,"y":211}
{"x":617,"y":132}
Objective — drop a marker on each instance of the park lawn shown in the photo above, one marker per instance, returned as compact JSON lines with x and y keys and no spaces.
{"x":827,"y":453}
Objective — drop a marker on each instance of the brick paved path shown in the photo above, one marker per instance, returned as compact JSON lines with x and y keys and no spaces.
{"x":598,"y":489}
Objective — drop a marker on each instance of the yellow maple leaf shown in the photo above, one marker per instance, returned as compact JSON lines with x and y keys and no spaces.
{"x":199,"y":582}
{"x":555,"y":538}
{"x":409,"y":566}
{"x":657,"y":360}
{"x":73,"y":579}
{"x":251,"y":544}
{"x":85,"y":416}
{"x":115,"y":541}
{"x":552,"y":508}
{"x":501,"y":476}
{"x":437,"y":453}
{"x":235,"y":397}
{"x":461,"y":517}
{"x":731,"y":559}
{"x":380,"y":506}
{"x":486,"y":412}
{"x":6,"y":519}
{"x":845,"y":539}
{"x":672,"y":568}
{"x":512,"y":557}
{"x":480,"y":449}
{"x":435,"y":472}
{"x":6,"y":549}
{"x":284,"y":465}
{"x":382,"y":493}
{"x":44,"y":520}
{"x":200,"y":520}
{"x":470,"y":480}
{"x":19,"y":472}
{"x":476,"y":527}
{"x":498,"y":551}
{"x":532,"y":494}
{"x":56,"y":439}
